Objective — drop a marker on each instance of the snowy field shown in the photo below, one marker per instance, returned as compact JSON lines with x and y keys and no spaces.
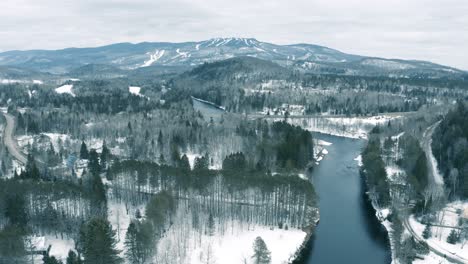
{"x":431,"y":258}
{"x":65,"y":89}
{"x":236,"y":247}
{"x":449,"y":216}
{"x":230,"y":243}
{"x":352,"y":127}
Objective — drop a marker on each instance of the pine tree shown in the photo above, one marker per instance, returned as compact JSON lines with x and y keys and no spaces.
{"x":73,"y":258}
{"x":453,"y":237}
{"x":184,"y":163}
{"x":93,"y":164}
{"x":162,"y":160}
{"x":261,"y":253}
{"x":201,"y":163}
{"x":15,"y":210}
{"x":12,"y":248}
{"x":104,"y":155}
{"x":139,"y":242}
{"x":132,"y":251}
{"x":138,"y":214}
{"x":83,"y":151}
{"x":98,"y":241}
{"x":427,"y":233}
{"x":160,"y":140}
{"x":47,"y":259}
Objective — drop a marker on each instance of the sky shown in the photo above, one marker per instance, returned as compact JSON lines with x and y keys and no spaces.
{"x":431,"y":30}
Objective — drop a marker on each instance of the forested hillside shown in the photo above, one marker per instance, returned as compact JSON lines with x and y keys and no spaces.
{"x":450,"y":146}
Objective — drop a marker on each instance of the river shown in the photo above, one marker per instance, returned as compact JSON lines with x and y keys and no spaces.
{"x":348,"y":231}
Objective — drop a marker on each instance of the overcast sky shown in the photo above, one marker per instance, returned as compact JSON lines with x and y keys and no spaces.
{"x":432,"y":30}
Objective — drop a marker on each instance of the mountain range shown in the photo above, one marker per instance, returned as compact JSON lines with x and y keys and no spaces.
{"x":166,"y":57}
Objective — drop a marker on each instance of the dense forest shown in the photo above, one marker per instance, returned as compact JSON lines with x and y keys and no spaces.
{"x":450,"y":146}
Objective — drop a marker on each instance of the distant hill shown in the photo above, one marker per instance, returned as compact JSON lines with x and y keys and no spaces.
{"x":177,"y":56}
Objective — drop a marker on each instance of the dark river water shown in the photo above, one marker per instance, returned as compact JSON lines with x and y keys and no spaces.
{"x":348,"y":231}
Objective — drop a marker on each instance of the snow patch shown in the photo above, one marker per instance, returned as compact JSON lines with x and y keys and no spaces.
{"x":359,"y":160}
{"x":235,"y":247}
{"x":134,"y":90}
{"x":65,"y":89}
{"x":154,"y":57}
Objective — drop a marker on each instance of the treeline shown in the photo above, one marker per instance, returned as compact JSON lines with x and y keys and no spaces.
{"x":414,"y":163}
{"x":97,"y":96}
{"x":450,"y":148}
{"x":373,"y":169}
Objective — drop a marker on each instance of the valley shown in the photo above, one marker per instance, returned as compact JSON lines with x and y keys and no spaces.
{"x":230,"y":150}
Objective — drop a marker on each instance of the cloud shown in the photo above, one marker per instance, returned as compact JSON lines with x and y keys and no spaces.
{"x":411,"y":29}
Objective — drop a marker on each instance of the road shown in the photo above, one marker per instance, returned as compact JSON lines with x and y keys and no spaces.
{"x":10,"y":141}
{"x":436,"y":180}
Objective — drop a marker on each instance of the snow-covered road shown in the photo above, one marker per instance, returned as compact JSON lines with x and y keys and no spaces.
{"x":435,"y":178}
{"x":9,"y":141}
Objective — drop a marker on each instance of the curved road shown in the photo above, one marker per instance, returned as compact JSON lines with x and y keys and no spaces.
{"x":9,"y":140}
{"x":436,"y":180}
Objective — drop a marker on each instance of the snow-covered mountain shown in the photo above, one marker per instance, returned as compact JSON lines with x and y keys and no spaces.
{"x":304,"y":57}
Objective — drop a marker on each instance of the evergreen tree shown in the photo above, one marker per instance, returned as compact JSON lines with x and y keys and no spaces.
{"x":184,"y":163}
{"x":159,"y":209}
{"x":98,"y":242}
{"x":73,"y":258}
{"x":162,"y":160}
{"x":12,"y":248}
{"x":160,"y":140}
{"x":98,"y":195}
{"x":138,"y":214}
{"x":83,"y":151}
{"x":453,"y":237}
{"x":93,"y":164}
{"x":427,"y":233}
{"x":139,"y":242}
{"x":133,"y":252}
{"x":201,"y":163}
{"x":261,"y":253}
{"x":104,"y":155}
{"x":47,"y":259}
{"x":15,"y":210}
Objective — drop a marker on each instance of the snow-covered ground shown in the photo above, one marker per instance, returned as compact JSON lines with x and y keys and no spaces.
{"x":134,"y":90}
{"x":120,"y":215}
{"x":154,"y":57}
{"x":449,"y":216}
{"x":358,"y":159}
{"x":319,"y":150}
{"x":12,"y":81}
{"x":59,"y":246}
{"x":350,"y":127}
{"x":432,"y":258}
{"x":65,"y":89}
{"x":236,"y":247}
{"x":56,"y":139}
{"x":191,"y":157}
